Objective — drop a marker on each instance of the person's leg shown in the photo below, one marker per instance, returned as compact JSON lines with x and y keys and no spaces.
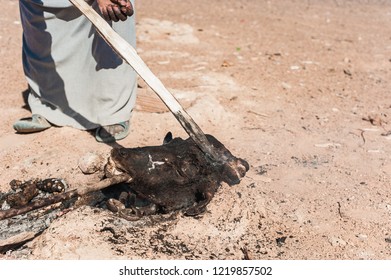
{"x":117,"y":130}
{"x":76,"y":79}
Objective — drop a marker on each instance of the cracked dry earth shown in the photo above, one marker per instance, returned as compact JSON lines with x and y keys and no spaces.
{"x":300,"y":89}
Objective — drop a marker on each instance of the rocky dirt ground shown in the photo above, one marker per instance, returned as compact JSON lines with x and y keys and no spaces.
{"x":300,"y":89}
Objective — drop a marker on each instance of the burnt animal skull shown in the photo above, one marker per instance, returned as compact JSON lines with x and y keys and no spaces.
{"x":176,"y":175}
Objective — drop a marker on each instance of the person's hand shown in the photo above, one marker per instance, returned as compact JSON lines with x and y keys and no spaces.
{"x":126,"y":6}
{"x":115,"y":10}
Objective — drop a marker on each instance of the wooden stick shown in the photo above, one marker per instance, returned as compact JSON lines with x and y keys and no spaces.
{"x":5,"y":214}
{"x":9,"y":243}
{"x":129,"y":54}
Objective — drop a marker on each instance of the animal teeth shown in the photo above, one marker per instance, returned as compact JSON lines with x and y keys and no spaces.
{"x":111,"y":168}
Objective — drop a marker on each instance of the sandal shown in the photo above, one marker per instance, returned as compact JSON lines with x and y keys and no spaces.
{"x":36,"y":123}
{"x":110,"y":133}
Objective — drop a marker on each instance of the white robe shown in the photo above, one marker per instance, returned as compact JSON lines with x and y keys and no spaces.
{"x":75,"y":78}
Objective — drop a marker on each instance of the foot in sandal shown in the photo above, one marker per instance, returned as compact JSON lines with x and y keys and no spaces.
{"x":112,"y":133}
{"x":35,"y":123}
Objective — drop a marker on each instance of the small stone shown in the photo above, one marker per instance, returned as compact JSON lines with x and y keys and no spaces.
{"x":347,"y":72}
{"x":335,"y":241}
{"x":286,"y":85}
{"x":328,"y":145}
{"x":91,"y":163}
{"x":295,"y":67}
{"x":281,"y":241}
{"x":361,"y":236}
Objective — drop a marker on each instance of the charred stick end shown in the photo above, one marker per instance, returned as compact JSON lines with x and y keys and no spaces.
{"x":233,"y":170}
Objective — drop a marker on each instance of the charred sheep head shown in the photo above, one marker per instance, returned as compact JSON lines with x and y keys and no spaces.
{"x":176,"y":175}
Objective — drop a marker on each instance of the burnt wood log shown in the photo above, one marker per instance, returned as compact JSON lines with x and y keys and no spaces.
{"x":23,"y":223}
{"x":5,"y":214}
{"x":16,"y":231}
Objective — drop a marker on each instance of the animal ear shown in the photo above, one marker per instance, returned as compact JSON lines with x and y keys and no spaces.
{"x":167,"y":138}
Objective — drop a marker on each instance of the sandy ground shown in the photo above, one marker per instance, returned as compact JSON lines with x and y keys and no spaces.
{"x":300,"y":89}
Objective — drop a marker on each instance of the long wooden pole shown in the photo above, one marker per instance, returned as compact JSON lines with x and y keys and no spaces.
{"x":129,"y":54}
